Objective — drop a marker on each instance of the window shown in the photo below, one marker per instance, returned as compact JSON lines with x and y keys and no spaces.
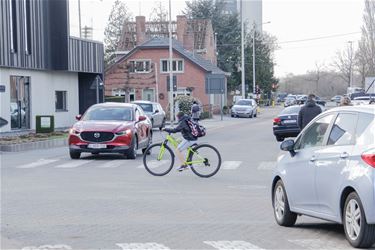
{"x":60,"y":101}
{"x":365,"y":133}
{"x":177,"y":65}
{"x":314,"y":136}
{"x":343,"y":130}
{"x":140,"y":66}
{"x":148,"y":94}
{"x":13,"y":26}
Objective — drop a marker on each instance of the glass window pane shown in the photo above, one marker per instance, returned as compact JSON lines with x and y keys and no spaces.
{"x":164,"y":66}
{"x":343,"y":130}
{"x":174,"y":65}
{"x":315,"y":134}
{"x":147,"y":66}
{"x":139,"y":66}
{"x":180,"y":65}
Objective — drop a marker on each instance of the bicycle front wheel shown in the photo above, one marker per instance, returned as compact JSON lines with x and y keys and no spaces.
{"x":158,"y":159}
{"x":205,"y":160}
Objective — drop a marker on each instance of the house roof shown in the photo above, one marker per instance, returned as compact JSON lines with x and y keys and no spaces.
{"x":162,"y":43}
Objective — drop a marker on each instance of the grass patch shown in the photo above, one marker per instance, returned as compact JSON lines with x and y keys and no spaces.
{"x":32,"y":137}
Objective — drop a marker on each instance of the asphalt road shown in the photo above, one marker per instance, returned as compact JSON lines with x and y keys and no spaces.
{"x":108,"y":202}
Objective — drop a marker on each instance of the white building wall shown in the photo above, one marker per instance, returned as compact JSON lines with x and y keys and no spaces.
{"x":43,"y":85}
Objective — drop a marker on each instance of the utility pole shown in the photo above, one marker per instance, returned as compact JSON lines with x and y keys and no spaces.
{"x":171,"y":106}
{"x":254,"y":26}
{"x":351,"y":64}
{"x":79,"y":18}
{"x":242,"y":53}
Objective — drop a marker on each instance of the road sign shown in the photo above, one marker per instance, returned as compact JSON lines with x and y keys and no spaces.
{"x":215,"y":84}
{"x":3,"y":122}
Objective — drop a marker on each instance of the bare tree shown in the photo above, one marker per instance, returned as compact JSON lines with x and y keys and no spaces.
{"x":365,"y":62}
{"x":159,"y":12}
{"x":344,"y":63}
{"x":316,"y":75}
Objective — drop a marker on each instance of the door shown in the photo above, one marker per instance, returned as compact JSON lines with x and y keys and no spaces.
{"x":20,"y":102}
{"x":300,"y":169}
{"x":140,"y":127}
{"x":332,"y":160}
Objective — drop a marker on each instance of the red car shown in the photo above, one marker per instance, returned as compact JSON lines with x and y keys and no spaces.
{"x":110,"y":128}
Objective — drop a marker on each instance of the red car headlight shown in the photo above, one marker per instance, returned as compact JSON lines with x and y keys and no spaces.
{"x":124,"y":132}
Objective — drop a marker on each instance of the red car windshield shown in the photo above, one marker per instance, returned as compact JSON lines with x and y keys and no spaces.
{"x":108,"y":114}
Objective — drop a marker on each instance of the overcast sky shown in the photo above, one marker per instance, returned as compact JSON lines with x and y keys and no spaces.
{"x":290,"y":21}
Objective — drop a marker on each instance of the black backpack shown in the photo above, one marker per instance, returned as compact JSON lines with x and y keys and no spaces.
{"x":196,"y":129}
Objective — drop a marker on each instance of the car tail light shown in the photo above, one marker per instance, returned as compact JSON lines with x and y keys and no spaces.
{"x":277,"y":120}
{"x":369,"y":157}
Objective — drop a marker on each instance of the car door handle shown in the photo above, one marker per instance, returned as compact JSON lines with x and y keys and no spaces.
{"x":313,"y":158}
{"x":344,"y":155}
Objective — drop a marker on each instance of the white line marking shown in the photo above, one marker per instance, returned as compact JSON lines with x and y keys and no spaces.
{"x":230,"y":165}
{"x":112,"y":164}
{"x":74,"y":163}
{"x":154,"y":164}
{"x":143,"y":246}
{"x":267,"y":165}
{"x":48,"y":247}
{"x":237,"y":244}
{"x":317,"y":244}
{"x":38,"y":163}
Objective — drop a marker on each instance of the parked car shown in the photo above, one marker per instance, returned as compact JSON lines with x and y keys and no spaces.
{"x":329,"y":173}
{"x":363,"y":100}
{"x":281,"y":97}
{"x":290,"y":100}
{"x":110,"y":128}
{"x":154,"y":112}
{"x":286,"y":123}
{"x":244,"y":108}
{"x":320,"y":101}
{"x":336,"y":98}
{"x":301,"y":99}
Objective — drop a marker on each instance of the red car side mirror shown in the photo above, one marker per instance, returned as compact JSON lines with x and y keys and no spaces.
{"x":78,"y":117}
{"x":142,"y":118}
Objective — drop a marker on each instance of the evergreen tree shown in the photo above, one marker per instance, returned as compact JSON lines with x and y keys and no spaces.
{"x":112,"y":33}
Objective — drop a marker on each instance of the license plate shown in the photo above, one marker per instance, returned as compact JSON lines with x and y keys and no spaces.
{"x":289,"y":121}
{"x":97,"y":146}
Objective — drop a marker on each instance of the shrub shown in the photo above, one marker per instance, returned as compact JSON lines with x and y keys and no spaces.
{"x":185,"y":102}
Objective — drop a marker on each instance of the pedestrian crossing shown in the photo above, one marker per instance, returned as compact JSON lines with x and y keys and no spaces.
{"x":312,"y":244}
{"x":67,"y":163}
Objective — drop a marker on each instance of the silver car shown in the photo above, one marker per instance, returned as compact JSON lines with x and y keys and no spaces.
{"x":329,"y":173}
{"x":154,"y":112}
{"x":245,"y":108}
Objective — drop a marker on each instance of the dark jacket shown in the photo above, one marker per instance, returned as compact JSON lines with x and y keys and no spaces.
{"x":308,"y":112}
{"x":184,"y":128}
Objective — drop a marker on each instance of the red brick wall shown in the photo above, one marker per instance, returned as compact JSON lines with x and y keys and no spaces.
{"x":119,"y":77}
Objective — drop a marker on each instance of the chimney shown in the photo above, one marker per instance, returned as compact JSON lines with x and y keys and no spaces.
{"x":140,"y":29}
{"x":181,"y":28}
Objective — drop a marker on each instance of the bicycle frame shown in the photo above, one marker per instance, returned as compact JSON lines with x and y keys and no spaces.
{"x":174,"y":142}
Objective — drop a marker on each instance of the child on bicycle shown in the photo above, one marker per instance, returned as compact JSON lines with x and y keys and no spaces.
{"x":188,"y":140}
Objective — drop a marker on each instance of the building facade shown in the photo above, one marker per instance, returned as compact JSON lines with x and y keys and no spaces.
{"x":44,"y":71}
{"x":143,"y":73}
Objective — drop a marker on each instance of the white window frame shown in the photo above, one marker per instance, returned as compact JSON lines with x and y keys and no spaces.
{"x":118,"y":92}
{"x":153,"y":89}
{"x":173,"y":60}
{"x":144,"y":65}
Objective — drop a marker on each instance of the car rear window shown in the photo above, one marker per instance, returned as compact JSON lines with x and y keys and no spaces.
{"x":365,"y":132}
{"x":290,"y":110}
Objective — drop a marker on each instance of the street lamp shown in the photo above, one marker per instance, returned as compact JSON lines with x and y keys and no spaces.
{"x":254,"y":27}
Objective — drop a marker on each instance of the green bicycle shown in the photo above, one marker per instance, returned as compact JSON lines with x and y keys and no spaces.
{"x":203,"y":159}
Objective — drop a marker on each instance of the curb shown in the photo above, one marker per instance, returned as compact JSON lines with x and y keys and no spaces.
{"x":34,"y":145}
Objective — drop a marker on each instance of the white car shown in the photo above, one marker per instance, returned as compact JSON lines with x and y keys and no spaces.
{"x":244,"y":108}
{"x":329,"y":173}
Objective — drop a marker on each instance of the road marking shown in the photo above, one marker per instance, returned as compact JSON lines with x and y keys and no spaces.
{"x":267,"y":165}
{"x":154,"y":164}
{"x":143,"y":246}
{"x":237,"y":244}
{"x":38,"y":163}
{"x":317,"y":244}
{"x":112,"y":164}
{"x":48,"y":247}
{"x":73,"y":163}
{"x":230,"y":165}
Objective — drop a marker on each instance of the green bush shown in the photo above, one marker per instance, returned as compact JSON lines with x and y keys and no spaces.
{"x":185,"y":103}
{"x":114,"y":98}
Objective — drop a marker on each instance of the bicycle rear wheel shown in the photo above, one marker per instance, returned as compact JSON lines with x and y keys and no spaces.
{"x":158,"y":160}
{"x":206,"y":160}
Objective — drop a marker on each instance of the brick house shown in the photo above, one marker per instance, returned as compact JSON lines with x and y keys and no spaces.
{"x":142,"y":73}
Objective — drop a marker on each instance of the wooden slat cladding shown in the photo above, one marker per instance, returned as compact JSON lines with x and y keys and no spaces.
{"x":41,"y":38}
{"x":85,"y":56}
{"x":28,"y":37}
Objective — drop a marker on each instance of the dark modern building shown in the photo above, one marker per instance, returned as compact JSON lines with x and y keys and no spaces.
{"x":43,"y":70}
